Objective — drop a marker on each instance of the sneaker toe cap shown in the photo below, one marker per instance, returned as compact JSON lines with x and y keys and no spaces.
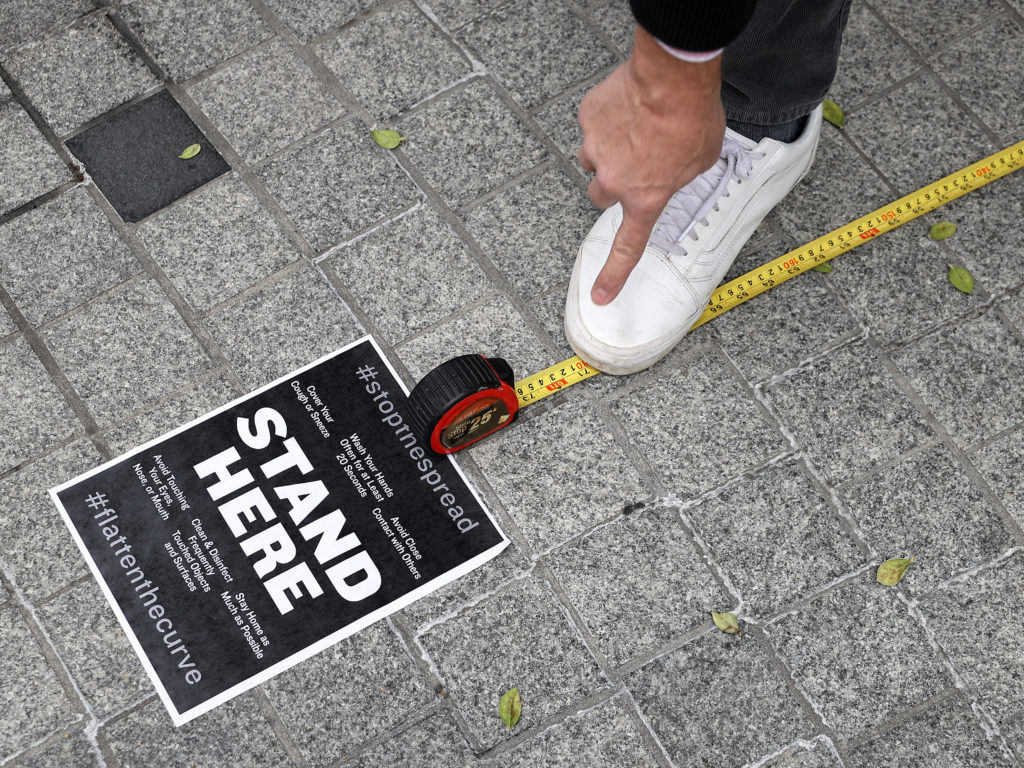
{"x":650,"y":307}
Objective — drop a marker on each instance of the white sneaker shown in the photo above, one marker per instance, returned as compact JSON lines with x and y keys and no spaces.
{"x":694,"y":243}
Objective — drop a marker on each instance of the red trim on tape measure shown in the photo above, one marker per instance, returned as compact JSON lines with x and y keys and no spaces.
{"x":463,"y":409}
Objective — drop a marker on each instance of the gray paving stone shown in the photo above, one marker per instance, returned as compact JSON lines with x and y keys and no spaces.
{"x":975,"y":620}
{"x":551,"y":501}
{"x":410,"y":273}
{"x":37,"y":546}
{"x":483,"y":330}
{"x":38,"y":417}
{"x":983,"y":219}
{"x":265,"y":99}
{"x":468,"y":142}
{"x":603,"y":735}
{"x":932,"y":27}
{"x":34,"y":701}
{"x":838,"y":189}
{"x":85,"y":71}
{"x":310,"y":18}
{"x":948,"y":735}
{"x":1002,"y":465}
{"x":236,"y":733}
{"x":29,"y":20}
{"x":926,"y":506}
{"x":216,"y":243}
{"x":787,"y":324}
{"x":371,"y":57}
{"x":551,"y":50}
{"x":550,"y":310}
{"x":558,"y":119}
{"x":181,"y":408}
{"x":5,"y":92}
{"x":1013,"y":732}
{"x":456,"y":13}
{"x":678,"y":422}
{"x":907,"y":264}
{"x":982,"y":68}
{"x":7,"y":325}
{"x":533,"y":229}
{"x":971,"y":376}
{"x":99,"y":658}
{"x":189,"y":36}
{"x":432,"y":743}
{"x":777,"y":538}
{"x":60,"y":255}
{"x":935,"y":137}
{"x":518,"y":638}
{"x":282,"y":326}
{"x":31,"y":170}
{"x":859,"y":657}
{"x":472,"y":587}
{"x":350,"y":693}
{"x":631,"y":611}
{"x":125,"y":349}
{"x":872,"y":59}
{"x":337,"y":183}
{"x":1013,"y":307}
{"x":616,"y":20}
{"x":718,"y":726}
{"x":850,"y":412}
{"x":819,"y":755}
{"x":67,"y":749}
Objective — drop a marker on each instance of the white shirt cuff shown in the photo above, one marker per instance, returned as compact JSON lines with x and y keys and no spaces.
{"x":695,"y":58}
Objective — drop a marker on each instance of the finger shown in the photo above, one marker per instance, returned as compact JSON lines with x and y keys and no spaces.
{"x":630,"y":241}
{"x":600,"y":196}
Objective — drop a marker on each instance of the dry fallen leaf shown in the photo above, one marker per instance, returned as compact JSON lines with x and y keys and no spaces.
{"x":510,"y":708}
{"x":891,"y":571}
{"x":387,"y":138}
{"x":833,"y":113}
{"x":961,"y":279}
{"x":726,"y":622}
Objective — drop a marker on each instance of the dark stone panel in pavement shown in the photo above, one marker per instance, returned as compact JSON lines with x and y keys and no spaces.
{"x":134,"y":156}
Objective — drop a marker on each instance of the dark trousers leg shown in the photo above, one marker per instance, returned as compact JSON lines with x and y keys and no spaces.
{"x":782,"y":64}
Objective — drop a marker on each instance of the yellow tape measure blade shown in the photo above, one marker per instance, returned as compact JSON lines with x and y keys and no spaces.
{"x":550,"y":380}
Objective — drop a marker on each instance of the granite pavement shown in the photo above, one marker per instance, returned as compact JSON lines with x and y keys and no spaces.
{"x":765,"y":467}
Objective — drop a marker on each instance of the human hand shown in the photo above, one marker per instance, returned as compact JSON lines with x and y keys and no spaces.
{"x":648,"y":129}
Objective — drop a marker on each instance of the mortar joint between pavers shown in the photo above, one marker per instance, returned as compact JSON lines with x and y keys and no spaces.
{"x":278,"y":726}
{"x":648,"y":729}
{"x":924,"y":62}
{"x":807,"y":744}
{"x":53,"y":658}
{"x":575,"y":621}
{"x":472,"y":602}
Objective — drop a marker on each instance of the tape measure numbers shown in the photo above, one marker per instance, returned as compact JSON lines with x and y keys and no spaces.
{"x":467,"y":398}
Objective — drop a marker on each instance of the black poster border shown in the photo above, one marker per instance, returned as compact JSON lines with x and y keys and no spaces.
{"x":179,"y":718}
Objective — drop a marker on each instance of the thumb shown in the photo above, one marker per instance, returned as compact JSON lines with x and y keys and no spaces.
{"x":630,"y":241}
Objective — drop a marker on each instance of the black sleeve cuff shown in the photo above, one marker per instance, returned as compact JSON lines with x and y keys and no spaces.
{"x":693,"y":25}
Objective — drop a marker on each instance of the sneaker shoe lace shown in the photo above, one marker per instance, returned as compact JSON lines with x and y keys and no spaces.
{"x":693,"y":203}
